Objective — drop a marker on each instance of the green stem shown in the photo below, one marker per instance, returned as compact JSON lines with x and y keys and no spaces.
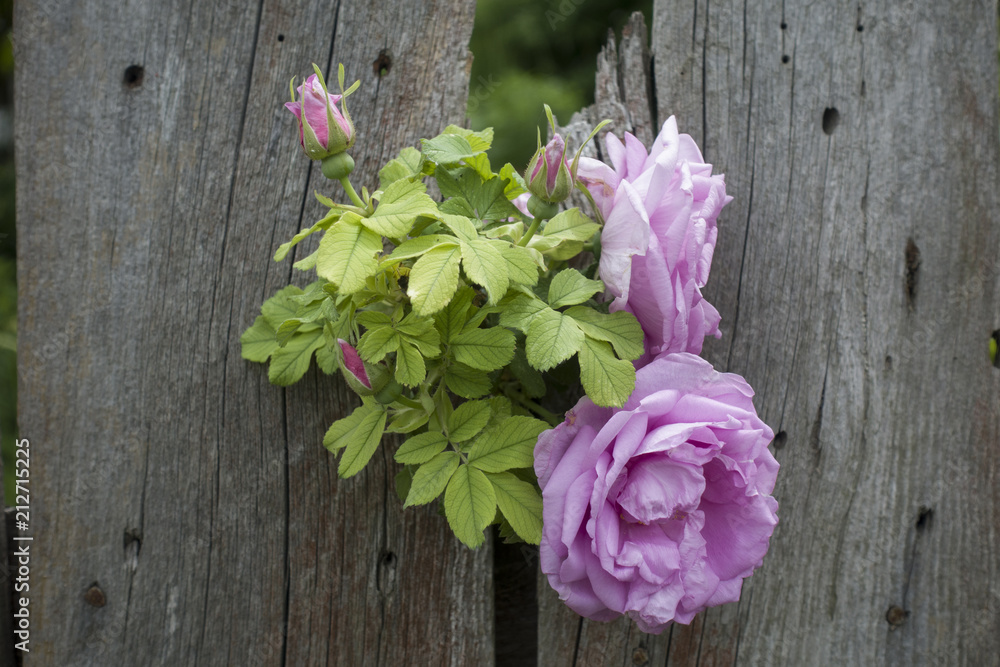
{"x":550,"y":417}
{"x":409,"y":402}
{"x":351,"y":192}
{"x":535,"y":224}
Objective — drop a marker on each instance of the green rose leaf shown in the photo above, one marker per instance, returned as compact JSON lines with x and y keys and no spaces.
{"x":508,"y":445}
{"x":621,"y":329}
{"x":462,"y":226}
{"x":346,"y":255}
{"x":552,"y":339}
{"x":431,"y":478}
{"x":485,"y":265}
{"x":410,"y":368}
{"x":608,"y":381}
{"x":325,"y":223}
{"x":290,"y":363}
{"x":416,"y":247}
{"x":410,"y":163}
{"x":571,"y":225}
{"x":421,"y":448}
{"x":433,"y":279}
{"x":282,"y":306}
{"x":484,"y":349}
{"x":520,"y":266}
{"x":451,"y":320}
{"x":469,"y":505}
{"x":400,"y":205}
{"x":377,"y":342}
{"x":467,"y":382}
{"x":515,"y":182}
{"x":521,"y":505}
{"x":258,"y":342}
{"x":519,"y":312}
{"x":456,"y":144}
{"x":358,"y":435}
{"x":420,"y":331}
{"x":467,"y":420}
{"x":569,"y":288}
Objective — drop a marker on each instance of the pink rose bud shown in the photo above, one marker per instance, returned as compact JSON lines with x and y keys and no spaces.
{"x":548,"y":175}
{"x":352,"y":366}
{"x":324,"y":129}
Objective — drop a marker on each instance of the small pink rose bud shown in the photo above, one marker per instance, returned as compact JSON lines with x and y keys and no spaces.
{"x":549,"y":176}
{"x":354,"y":368}
{"x":324,"y":129}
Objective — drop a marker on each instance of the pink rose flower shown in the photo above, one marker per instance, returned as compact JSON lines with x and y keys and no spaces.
{"x":323,"y":129}
{"x":660,"y":508}
{"x":660,"y":210}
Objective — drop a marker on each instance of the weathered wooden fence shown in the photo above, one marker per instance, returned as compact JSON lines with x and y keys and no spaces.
{"x":183,"y":511}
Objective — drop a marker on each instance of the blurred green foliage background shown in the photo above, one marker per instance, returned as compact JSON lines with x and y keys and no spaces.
{"x":528,"y":53}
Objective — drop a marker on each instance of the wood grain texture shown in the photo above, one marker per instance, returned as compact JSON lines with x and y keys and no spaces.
{"x":169,"y":472}
{"x":856,"y":275}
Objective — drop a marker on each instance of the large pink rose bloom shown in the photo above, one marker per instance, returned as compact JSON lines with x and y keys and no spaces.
{"x":660,"y":211}
{"x":660,"y":508}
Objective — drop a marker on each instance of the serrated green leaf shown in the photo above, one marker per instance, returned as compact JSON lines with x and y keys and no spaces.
{"x":569,"y":287}
{"x":447,"y":149}
{"x":287,"y":330}
{"x":457,"y":206}
{"x":500,"y":408}
{"x":403,"y":480}
{"x":462,"y":226}
{"x":433,"y":279}
{"x":485,"y":264}
{"x":325,"y":223}
{"x":571,"y":225}
{"x":401,"y":203}
{"x":258,"y":341}
{"x":484,"y":349}
{"x":326,"y":358}
{"x":420,"y":331}
{"x":410,"y":368}
{"x":409,"y":164}
{"x":451,"y":320}
{"x":519,"y":312}
{"x":308,"y":262}
{"x":552,"y":339}
{"x":484,"y":193}
{"x":358,"y":435}
{"x":511,"y":444}
{"x":481,"y":165}
{"x":289,"y":363}
{"x":455,"y":144}
{"x":521,"y":505}
{"x":418,"y":246}
{"x":515,"y":183}
{"x":282,"y":306}
{"x":431,"y":478}
{"x":608,"y":381}
{"x":467,"y":420}
{"x":510,"y":231}
{"x":469,"y":504}
{"x":407,"y":420}
{"x":621,"y":329}
{"x":467,"y":382}
{"x":421,"y":448}
{"x":346,"y":255}
{"x":378,"y":342}
{"x":372,"y":319}
{"x":520,"y":266}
